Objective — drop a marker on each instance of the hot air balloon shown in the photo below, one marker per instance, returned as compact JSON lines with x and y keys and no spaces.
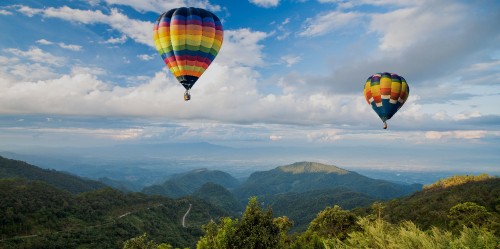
{"x":188,"y":40}
{"x":386,"y":93}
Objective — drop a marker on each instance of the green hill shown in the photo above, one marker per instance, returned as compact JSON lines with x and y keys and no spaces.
{"x":39,"y":215}
{"x":307,"y":176}
{"x":186,"y":184}
{"x":218,"y":196}
{"x":18,"y":169}
{"x":431,"y":206}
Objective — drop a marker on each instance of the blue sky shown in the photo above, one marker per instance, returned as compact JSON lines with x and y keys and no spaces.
{"x":290,"y":73}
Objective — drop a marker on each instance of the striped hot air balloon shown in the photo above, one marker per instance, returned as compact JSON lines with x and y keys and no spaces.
{"x":188,"y":40}
{"x":386,"y":93}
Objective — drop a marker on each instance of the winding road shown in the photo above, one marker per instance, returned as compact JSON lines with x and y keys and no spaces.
{"x":184,"y":217}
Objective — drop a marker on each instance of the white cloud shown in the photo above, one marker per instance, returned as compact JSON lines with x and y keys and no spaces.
{"x":442,"y":135}
{"x":70,"y":46}
{"x":266,"y":3}
{"x":114,"y":40}
{"x":241,"y":47}
{"x":37,"y":55}
{"x":139,"y":31}
{"x":28,"y":10}
{"x":467,"y":115}
{"x":5,"y":13}
{"x":61,"y":45}
{"x":327,"y":22}
{"x":405,"y":27}
{"x":44,"y":42}
{"x":275,"y":137}
{"x":290,"y":60}
{"x":327,"y":135}
{"x":146,"y":57}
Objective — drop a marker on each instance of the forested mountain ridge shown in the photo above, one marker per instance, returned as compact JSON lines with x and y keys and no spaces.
{"x":38,"y":215}
{"x":431,"y":206}
{"x":187,"y":183}
{"x":307,"y":176}
{"x":18,"y":169}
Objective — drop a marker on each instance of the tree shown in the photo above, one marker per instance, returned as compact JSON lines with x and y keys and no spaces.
{"x":333,"y":222}
{"x":142,"y":242}
{"x":468,"y":214}
{"x":256,"y":229}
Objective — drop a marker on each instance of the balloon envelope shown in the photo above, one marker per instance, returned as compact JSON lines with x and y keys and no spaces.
{"x":188,"y":40}
{"x":386,"y":93}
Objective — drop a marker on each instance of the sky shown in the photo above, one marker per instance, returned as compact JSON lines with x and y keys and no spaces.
{"x":290,"y":74}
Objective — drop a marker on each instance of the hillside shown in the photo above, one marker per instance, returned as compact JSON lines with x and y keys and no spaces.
{"x":219,"y":197}
{"x":187,"y":183}
{"x":430,"y":207}
{"x":308,"y":176}
{"x":18,"y":169}
{"x":303,"y":207}
{"x":39,"y":215}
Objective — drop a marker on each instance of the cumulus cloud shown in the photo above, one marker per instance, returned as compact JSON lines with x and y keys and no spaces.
{"x":266,"y":3}
{"x":242,"y":47}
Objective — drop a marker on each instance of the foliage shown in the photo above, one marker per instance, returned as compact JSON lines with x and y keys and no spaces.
{"x":382,"y":234}
{"x":38,"y":215}
{"x":333,"y":222}
{"x":457,"y":180}
{"x":256,"y":229}
{"x":142,"y":242}
{"x":429,"y":208}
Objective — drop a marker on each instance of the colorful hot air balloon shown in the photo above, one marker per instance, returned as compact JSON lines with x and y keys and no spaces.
{"x":188,"y":40}
{"x":386,"y":93}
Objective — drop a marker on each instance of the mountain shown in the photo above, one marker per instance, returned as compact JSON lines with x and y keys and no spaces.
{"x":18,"y":169}
{"x":38,"y":215}
{"x":187,"y":183}
{"x":218,"y":196}
{"x":307,"y":176}
{"x":431,"y":206}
